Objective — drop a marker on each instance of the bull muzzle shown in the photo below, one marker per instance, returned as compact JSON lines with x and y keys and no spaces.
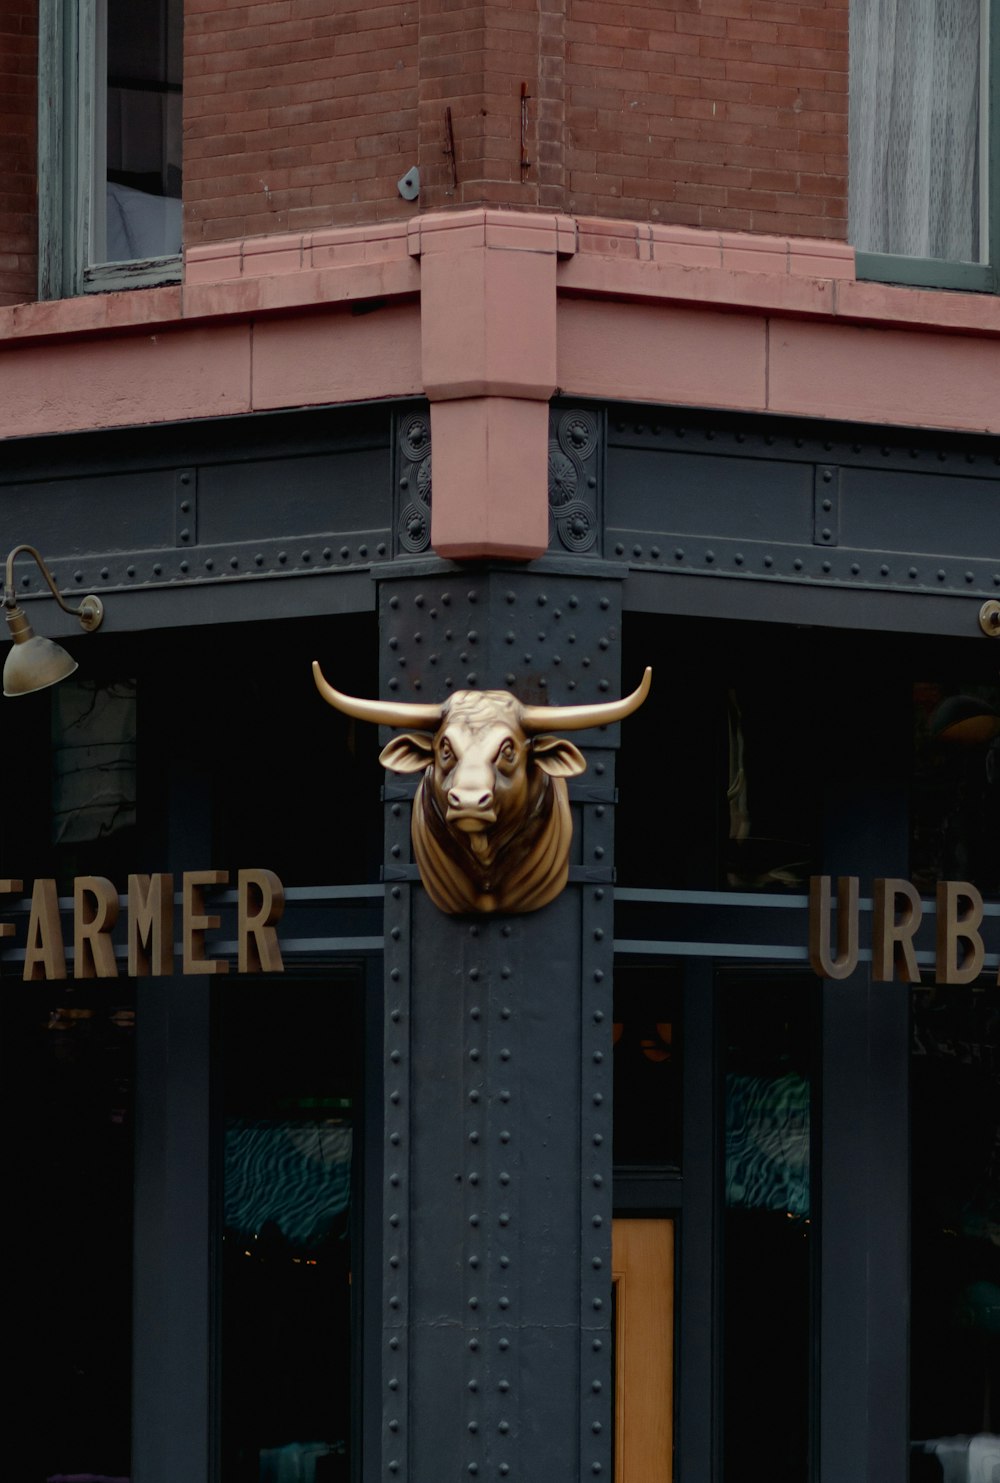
{"x":471,"y":809}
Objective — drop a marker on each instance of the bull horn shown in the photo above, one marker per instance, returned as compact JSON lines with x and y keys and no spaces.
{"x":383,"y":712}
{"x":580,"y":717}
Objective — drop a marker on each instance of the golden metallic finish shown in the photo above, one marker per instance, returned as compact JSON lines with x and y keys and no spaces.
{"x":491,"y":825}
{"x":579,"y":717}
{"x":533,"y":717}
{"x":382,"y":712}
{"x":989,"y":618}
{"x":35,"y":662}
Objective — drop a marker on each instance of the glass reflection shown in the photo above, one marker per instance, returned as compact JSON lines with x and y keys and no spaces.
{"x":955,"y":1252}
{"x":143,"y":131}
{"x":769,"y":1048}
{"x":289,"y":1072}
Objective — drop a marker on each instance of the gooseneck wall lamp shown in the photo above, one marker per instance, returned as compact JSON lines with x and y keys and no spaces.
{"x":35,"y":662}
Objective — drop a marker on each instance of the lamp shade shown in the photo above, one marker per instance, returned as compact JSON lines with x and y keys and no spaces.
{"x":34,"y":662}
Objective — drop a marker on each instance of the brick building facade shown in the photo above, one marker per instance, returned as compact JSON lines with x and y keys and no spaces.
{"x":701,"y":396}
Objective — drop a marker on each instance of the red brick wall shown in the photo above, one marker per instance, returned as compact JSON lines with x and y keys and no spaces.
{"x":477,"y":58}
{"x":18,"y":105}
{"x":709,"y":113}
{"x":297,"y":114}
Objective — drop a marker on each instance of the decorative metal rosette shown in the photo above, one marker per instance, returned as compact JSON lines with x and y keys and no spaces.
{"x":415,"y":527}
{"x":424,"y":480}
{"x":415,"y":436}
{"x":564,"y":477}
{"x":576,"y":523}
{"x":573,"y":480}
{"x":413,"y":476}
{"x":577,"y":434}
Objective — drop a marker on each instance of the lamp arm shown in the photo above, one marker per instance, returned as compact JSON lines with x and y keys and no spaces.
{"x":91,"y":610}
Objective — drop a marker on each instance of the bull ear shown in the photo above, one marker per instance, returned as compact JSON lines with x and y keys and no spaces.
{"x":558,"y":757}
{"x":410,"y":751}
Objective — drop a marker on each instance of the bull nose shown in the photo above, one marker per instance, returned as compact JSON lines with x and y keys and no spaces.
{"x":467,"y":798}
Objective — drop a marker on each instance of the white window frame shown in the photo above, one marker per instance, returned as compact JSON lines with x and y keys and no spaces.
{"x":72,"y":125}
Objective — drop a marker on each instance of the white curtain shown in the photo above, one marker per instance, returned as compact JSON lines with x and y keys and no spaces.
{"x":914,"y":165}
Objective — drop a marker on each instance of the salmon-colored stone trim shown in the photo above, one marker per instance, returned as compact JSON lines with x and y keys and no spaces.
{"x":794,"y":276}
{"x":489,"y":312}
{"x":490,"y":478}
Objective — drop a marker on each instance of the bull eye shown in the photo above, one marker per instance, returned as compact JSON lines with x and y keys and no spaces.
{"x":445,"y":754}
{"x":508,"y":752}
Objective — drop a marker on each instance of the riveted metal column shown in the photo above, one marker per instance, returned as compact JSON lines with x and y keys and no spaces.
{"x":497,"y":1279}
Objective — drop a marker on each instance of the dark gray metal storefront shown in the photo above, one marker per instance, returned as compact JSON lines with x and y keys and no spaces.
{"x":489,"y":1185}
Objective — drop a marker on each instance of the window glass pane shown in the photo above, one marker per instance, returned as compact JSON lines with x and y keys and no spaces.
{"x":647,"y":1066}
{"x":66,"y":1063}
{"x":768,"y":1048}
{"x":955,"y":1240}
{"x":143,"y":175}
{"x":917,"y":129}
{"x":290,"y":1058}
{"x":955,"y":818}
{"x":772,"y":804}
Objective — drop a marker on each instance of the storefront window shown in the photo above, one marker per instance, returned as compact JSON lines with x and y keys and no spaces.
{"x":955,"y":817}
{"x":647,"y":1051}
{"x":290,"y":1094}
{"x":66,"y":1062}
{"x":769,"y":1038}
{"x":955,"y":1233}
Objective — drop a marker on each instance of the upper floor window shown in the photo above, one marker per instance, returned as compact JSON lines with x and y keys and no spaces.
{"x":109,"y":144}
{"x":919,"y":198}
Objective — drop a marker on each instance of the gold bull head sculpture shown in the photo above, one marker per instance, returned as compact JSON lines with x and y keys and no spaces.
{"x":491,"y":823}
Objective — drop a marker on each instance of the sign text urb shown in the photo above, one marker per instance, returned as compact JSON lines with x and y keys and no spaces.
{"x":897,"y":912}
{"x":149,"y":934}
